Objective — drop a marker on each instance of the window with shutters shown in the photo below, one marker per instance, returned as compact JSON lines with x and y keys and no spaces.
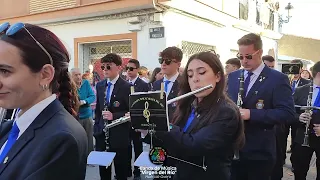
{"x":191,"y":48}
{"x":93,"y":52}
{"x":38,"y":6}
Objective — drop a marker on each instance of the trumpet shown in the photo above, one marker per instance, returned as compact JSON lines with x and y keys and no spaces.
{"x":126,"y":119}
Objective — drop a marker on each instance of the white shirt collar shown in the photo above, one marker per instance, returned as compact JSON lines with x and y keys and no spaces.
{"x":172,"y":79}
{"x":23,"y":121}
{"x":258,"y":71}
{"x":145,"y":79}
{"x":114,"y":80}
{"x":134,"y":80}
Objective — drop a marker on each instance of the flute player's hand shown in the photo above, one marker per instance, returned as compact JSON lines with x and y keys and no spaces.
{"x":143,"y":132}
{"x":127,"y":114}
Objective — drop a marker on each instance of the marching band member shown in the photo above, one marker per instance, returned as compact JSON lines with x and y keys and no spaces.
{"x":139,"y":86}
{"x":112,"y":103}
{"x":281,"y":140}
{"x":301,"y":155}
{"x":44,"y":141}
{"x":170,"y":60}
{"x":296,"y":81}
{"x":267,"y":102}
{"x":207,"y":126}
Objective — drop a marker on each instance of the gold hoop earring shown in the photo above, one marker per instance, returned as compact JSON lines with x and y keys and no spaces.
{"x":44,"y":87}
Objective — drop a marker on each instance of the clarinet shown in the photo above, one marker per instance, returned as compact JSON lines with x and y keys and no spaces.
{"x":239,"y":104}
{"x":106,"y":130}
{"x":309,"y":111}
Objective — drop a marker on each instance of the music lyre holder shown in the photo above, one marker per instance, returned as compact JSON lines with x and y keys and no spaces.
{"x":152,"y":127}
{"x":151,"y":130}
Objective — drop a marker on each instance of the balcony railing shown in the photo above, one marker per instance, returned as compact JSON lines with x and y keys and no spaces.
{"x":264,"y":14}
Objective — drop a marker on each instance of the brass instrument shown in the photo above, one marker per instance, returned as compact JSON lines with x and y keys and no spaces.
{"x":126,"y":119}
{"x":241,"y":94}
{"x":308,"y":110}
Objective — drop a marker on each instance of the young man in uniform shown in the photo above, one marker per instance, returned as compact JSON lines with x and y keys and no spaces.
{"x":301,"y":155}
{"x":112,"y":103}
{"x":267,"y":101}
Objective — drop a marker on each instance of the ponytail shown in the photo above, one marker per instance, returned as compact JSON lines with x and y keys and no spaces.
{"x":67,"y":93}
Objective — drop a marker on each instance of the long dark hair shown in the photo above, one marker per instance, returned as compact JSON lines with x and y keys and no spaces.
{"x":35,"y":58}
{"x":154,"y":73}
{"x":209,"y":104}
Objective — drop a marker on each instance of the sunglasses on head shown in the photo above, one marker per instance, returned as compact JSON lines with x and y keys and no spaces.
{"x":248,"y":56}
{"x":165,"y":60}
{"x":130,"y":68}
{"x":105,"y":67}
{"x":8,"y":30}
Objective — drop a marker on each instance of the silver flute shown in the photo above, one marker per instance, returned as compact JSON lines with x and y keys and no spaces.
{"x":126,"y":119}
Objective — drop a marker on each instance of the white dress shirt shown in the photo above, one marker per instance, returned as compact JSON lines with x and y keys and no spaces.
{"x":145,"y":79}
{"x":297,"y":83}
{"x":133,"y":80}
{"x":254,"y":76}
{"x":112,"y":87}
{"x":172,"y":80}
{"x":24,"y":120}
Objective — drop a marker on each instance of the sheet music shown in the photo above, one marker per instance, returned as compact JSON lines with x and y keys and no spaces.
{"x":101,"y":158}
{"x":144,"y":161}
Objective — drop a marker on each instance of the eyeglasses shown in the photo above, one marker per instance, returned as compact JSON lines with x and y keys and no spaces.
{"x":130,"y":68}
{"x":5,"y":28}
{"x":166,"y":60}
{"x":248,"y":56}
{"x":107,"y":67}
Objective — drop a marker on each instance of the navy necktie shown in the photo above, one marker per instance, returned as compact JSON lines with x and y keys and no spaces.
{"x":108,"y":92}
{"x":317,"y":101}
{"x":166,"y":83}
{"x":293,"y":85}
{"x":246,"y":83}
{"x":11,"y":140}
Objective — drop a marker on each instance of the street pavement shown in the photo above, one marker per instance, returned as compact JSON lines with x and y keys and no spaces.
{"x":287,"y":173}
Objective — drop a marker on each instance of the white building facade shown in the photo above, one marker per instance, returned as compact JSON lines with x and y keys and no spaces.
{"x":143,"y":32}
